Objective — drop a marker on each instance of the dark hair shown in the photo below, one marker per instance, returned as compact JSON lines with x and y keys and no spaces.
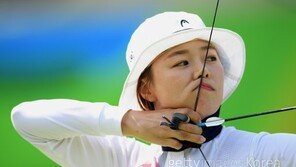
{"x":143,"y":83}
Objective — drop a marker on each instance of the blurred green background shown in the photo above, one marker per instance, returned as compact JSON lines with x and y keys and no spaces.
{"x":76,"y":50}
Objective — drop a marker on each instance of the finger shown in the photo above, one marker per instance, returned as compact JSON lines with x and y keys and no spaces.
{"x":190,"y":128}
{"x":164,"y":124}
{"x":193,"y":115}
{"x":182,"y":135}
{"x":173,"y":143}
{"x":179,"y":117}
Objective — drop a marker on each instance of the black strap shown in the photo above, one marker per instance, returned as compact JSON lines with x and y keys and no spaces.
{"x":208,"y":132}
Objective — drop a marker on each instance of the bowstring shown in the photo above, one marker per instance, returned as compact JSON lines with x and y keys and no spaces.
{"x":203,"y":70}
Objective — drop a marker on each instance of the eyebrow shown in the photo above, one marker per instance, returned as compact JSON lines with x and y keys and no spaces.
{"x":206,"y":47}
{"x":185,"y":51}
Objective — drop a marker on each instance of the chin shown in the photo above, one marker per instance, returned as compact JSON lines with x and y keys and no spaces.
{"x":206,"y":109}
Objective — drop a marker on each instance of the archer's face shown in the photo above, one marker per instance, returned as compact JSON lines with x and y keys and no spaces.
{"x":176,"y":75}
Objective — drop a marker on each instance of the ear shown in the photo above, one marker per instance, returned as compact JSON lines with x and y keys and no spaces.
{"x":147,"y":91}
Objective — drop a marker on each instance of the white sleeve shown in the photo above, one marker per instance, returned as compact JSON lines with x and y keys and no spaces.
{"x":275,"y":149}
{"x":75,"y":133}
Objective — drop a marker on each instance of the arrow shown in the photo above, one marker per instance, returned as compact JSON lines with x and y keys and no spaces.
{"x":215,"y":121}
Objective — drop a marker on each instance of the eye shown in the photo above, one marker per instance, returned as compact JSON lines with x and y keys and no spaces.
{"x":211,"y":58}
{"x":182,"y":63}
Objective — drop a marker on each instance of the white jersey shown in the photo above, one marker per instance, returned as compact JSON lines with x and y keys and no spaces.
{"x":84,"y":134}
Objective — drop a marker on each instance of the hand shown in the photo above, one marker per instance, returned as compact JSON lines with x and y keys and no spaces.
{"x":145,"y":125}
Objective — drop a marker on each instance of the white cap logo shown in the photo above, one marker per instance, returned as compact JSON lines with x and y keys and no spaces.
{"x":183,"y":22}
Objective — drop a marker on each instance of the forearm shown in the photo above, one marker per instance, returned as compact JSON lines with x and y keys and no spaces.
{"x":58,"y":119}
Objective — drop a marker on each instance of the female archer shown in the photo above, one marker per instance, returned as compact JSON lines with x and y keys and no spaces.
{"x":171,"y":63}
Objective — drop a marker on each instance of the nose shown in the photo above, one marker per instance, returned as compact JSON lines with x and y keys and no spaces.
{"x":199,"y":72}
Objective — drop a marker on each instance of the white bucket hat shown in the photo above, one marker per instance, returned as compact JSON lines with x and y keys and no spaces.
{"x":166,"y":30}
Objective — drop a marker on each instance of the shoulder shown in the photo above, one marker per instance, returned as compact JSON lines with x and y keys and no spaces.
{"x":233,"y":143}
{"x":232,"y":134}
{"x":261,"y":145}
{"x":261,"y":139}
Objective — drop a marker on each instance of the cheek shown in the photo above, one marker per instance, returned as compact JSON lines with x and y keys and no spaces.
{"x":221,"y":74}
{"x":219,"y":78}
{"x":168,"y":81}
{"x":169,"y":85}
{"x":218,"y":73}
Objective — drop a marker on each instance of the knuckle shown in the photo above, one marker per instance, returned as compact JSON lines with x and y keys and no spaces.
{"x":198,"y":131}
{"x":194,"y":129}
{"x":188,"y":127}
{"x":186,"y":110}
{"x":195,"y":117}
{"x":198,"y":116}
{"x":183,"y":126}
{"x":182,"y":135}
{"x":175,"y":144}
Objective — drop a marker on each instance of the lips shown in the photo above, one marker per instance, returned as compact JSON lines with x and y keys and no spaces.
{"x":206,"y":87}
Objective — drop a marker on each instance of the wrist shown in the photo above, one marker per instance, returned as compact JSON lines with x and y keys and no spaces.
{"x":127,"y":123}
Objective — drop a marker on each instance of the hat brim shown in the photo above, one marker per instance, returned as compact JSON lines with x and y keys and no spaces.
{"x":229,"y":45}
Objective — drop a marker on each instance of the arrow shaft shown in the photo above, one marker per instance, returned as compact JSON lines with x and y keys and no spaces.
{"x":217,"y":122}
{"x":261,"y":113}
